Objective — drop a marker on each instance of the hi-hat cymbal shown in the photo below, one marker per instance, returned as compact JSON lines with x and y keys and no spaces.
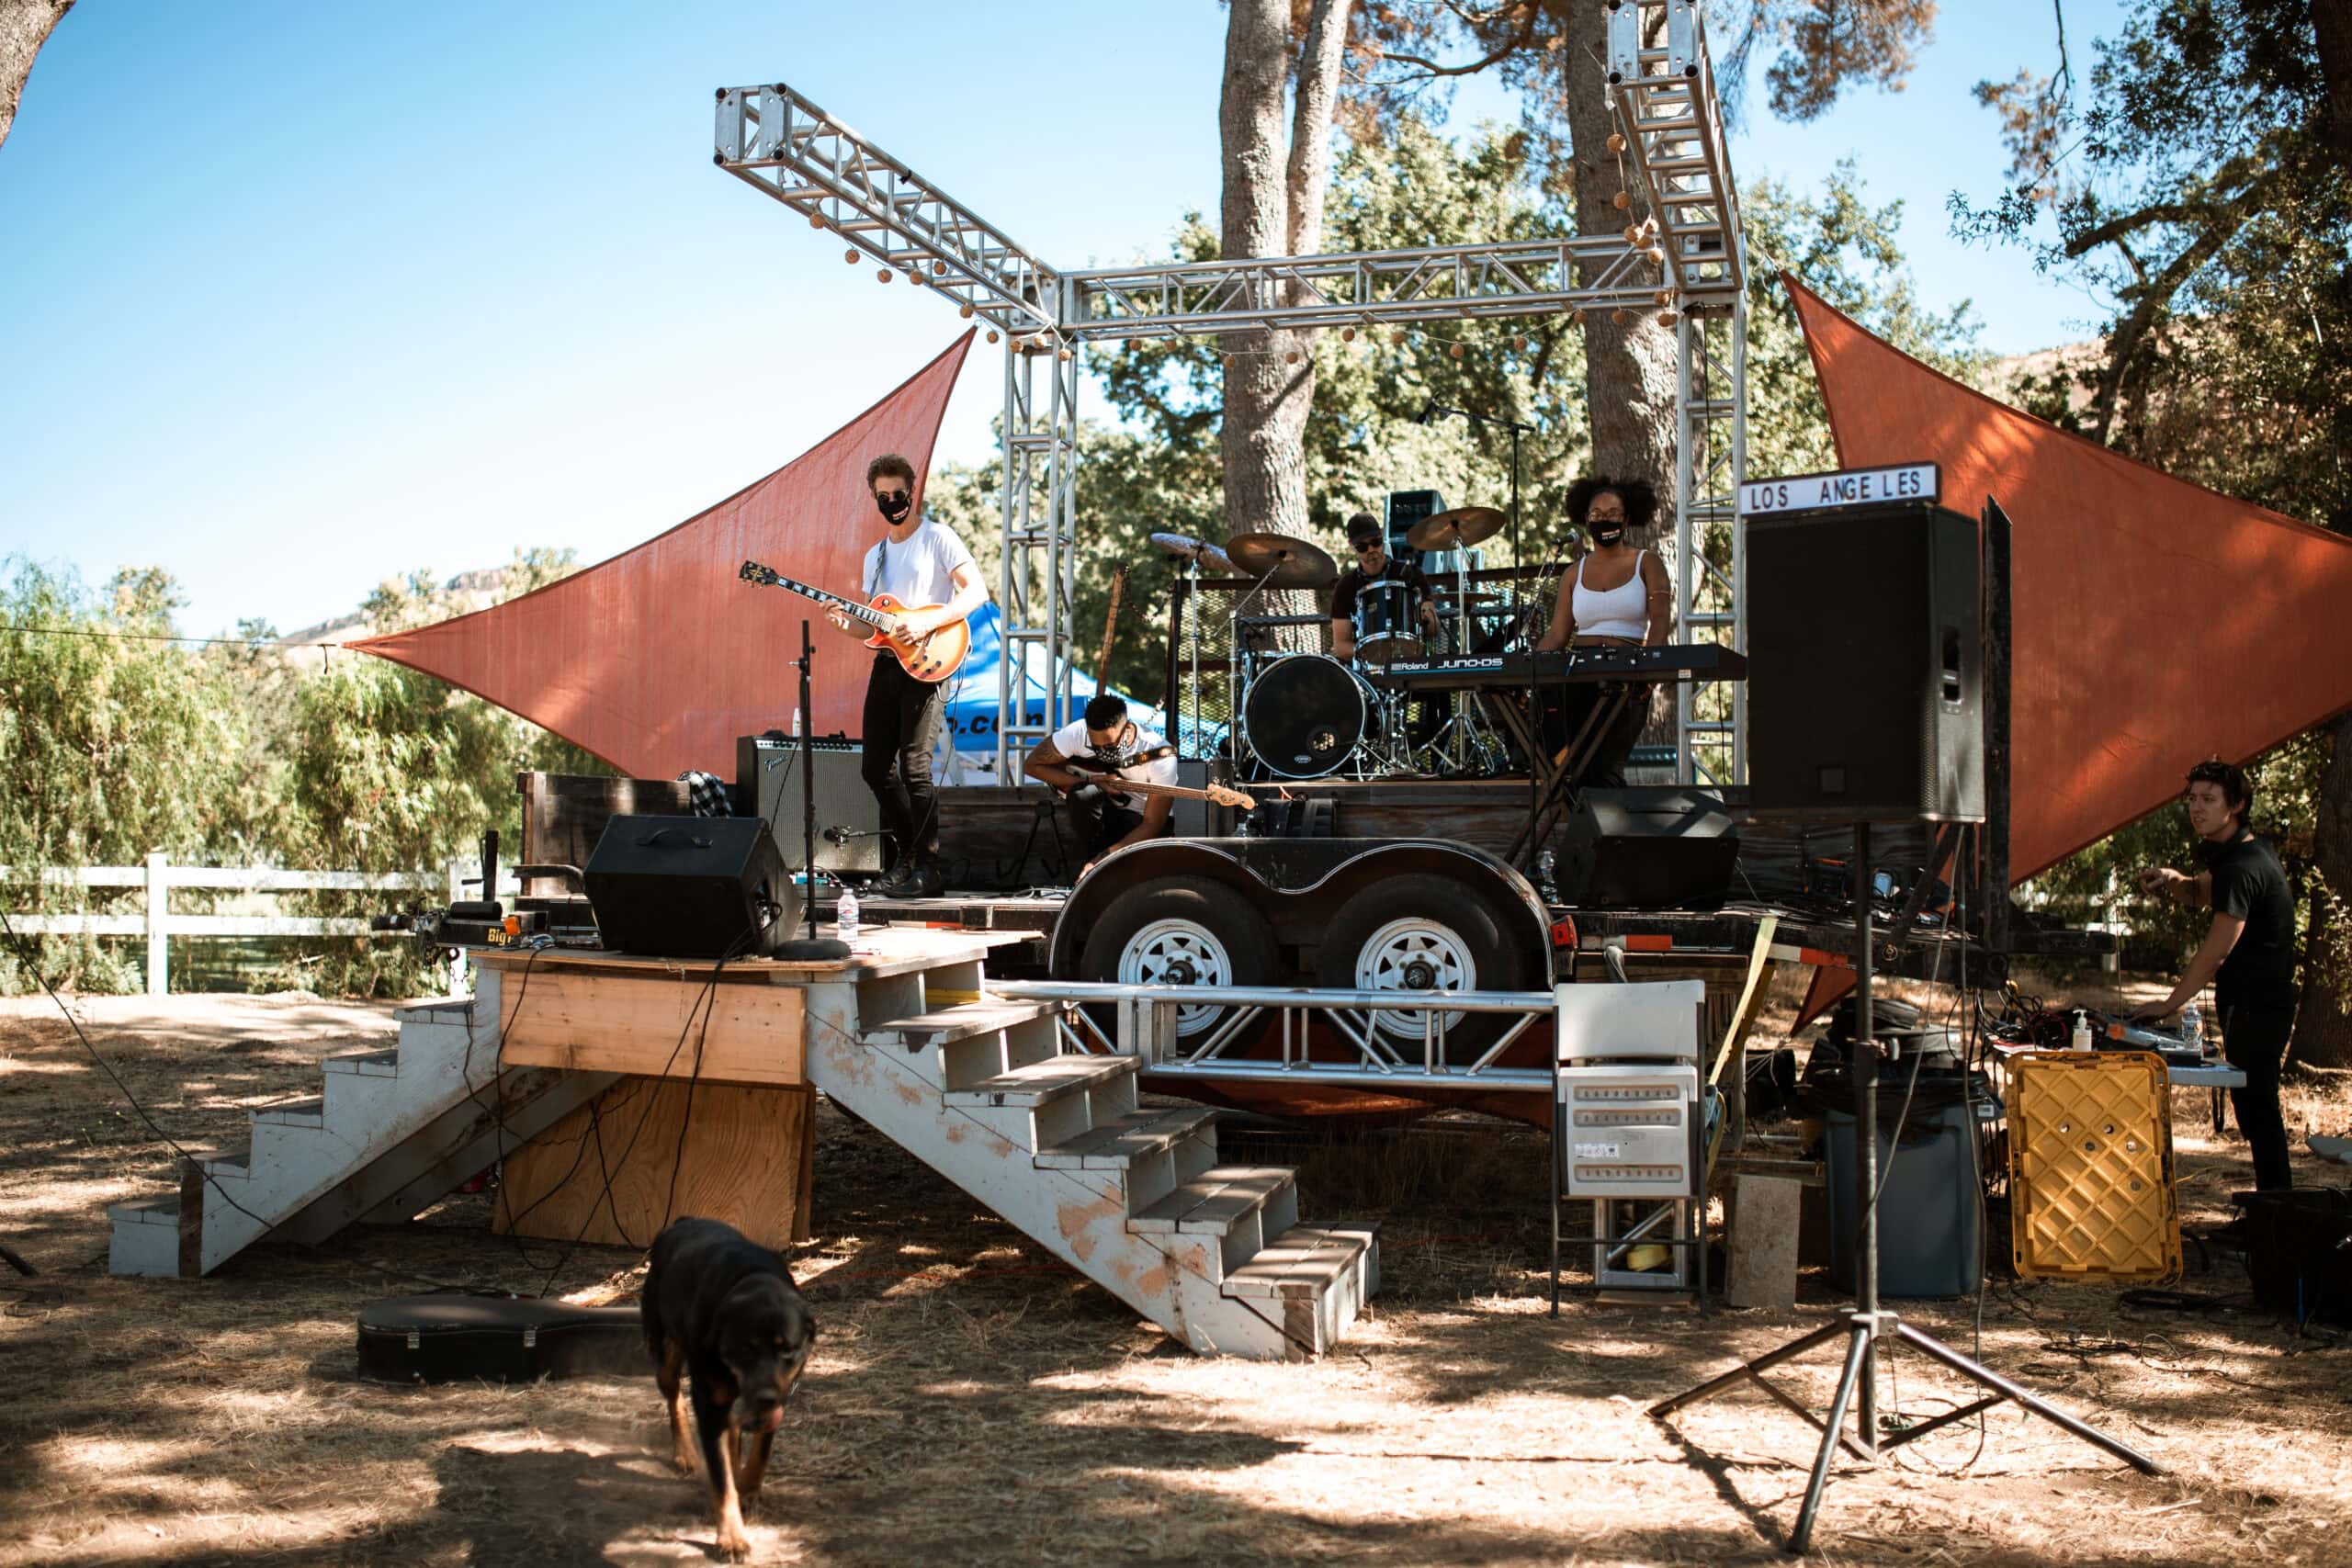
{"x":1183,"y":547}
{"x":1451,"y":530}
{"x":1292,"y":563}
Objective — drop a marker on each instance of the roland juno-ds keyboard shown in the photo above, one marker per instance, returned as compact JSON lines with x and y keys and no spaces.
{"x":1691,"y":661}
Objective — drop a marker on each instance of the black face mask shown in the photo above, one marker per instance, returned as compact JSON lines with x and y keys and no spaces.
{"x":894,"y":504}
{"x":1608,"y":530}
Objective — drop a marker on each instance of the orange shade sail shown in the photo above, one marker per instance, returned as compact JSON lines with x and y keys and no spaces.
{"x":656,"y":659}
{"x":2155,"y":623}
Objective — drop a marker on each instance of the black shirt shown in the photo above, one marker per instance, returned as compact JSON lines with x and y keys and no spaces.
{"x":2249,"y":883}
{"x":1352,"y":582}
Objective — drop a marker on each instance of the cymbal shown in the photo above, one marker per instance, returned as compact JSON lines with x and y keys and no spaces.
{"x":1451,"y":530}
{"x":1294,"y":563}
{"x":1183,"y":547}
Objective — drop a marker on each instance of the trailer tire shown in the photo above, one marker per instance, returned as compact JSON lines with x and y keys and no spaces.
{"x":1182,"y":926}
{"x":1401,"y":930}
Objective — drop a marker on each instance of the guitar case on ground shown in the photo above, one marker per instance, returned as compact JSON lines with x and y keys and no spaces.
{"x":452,"y":1337}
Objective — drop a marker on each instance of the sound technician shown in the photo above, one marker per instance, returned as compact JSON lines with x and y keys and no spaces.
{"x":2248,"y":954}
{"x":921,"y":563}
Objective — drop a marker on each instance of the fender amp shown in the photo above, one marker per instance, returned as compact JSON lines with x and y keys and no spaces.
{"x":768,"y":776}
{"x":691,"y":887}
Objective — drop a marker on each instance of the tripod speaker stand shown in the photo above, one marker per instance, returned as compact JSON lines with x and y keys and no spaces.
{"x":1868,"y":1322}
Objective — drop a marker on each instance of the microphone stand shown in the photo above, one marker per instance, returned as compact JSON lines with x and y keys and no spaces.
{"x":811,"y":946}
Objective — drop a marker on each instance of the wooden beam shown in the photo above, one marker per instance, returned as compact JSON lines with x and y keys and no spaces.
{"x":653,"y":1025}
{"x":746,"y":1158}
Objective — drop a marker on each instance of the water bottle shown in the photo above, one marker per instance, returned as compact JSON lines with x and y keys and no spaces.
{"x":845,"y":918}
{"x":1543,"y":883}
{"x":2192,"y":1028}
{"x":796,"y":721}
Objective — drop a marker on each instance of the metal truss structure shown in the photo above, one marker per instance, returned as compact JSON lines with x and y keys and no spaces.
{"x":1681,"y":255}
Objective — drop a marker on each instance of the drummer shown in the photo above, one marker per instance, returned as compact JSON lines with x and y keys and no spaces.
{"x":1373,"y":564}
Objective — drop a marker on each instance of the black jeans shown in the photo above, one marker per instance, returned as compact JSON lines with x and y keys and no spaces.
{"x":1101,"y":822}
{"x":1564,"y":712}
{"x":902,"y":717}
{"x":2254,"y":1041}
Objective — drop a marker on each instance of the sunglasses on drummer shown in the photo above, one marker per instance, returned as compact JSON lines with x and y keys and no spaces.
{"x":1368,"y":546}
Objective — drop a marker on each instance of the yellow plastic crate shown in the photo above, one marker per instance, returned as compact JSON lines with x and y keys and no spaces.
{"x":2090,"y":1168}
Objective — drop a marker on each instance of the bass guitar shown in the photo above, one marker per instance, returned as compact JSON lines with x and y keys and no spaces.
{"x":931,"y":658}
{"x":1108,"y":781}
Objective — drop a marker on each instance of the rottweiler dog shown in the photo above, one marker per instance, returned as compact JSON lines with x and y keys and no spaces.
{"x":722,"y":1311}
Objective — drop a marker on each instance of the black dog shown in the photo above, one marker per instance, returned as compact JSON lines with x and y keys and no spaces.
{"x":723,"y":1309}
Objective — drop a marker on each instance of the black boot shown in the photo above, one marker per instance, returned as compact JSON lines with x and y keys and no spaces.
{"x":901,"y":883}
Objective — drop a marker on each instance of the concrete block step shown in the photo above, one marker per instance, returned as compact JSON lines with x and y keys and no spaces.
{"x":309,"y":1112}
{"x":1302,"y":1264}
{"x":1042,"y":1083}
{"x":1118,"y":1144}
{"x":1214,"y":1202}
{"x":441,"y":1009}
{"x":963,"y":1022}
{"x":366,"y":1063}
{"x":146,"y":1211}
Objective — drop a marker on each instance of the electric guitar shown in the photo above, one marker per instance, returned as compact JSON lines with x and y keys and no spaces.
{"x":932,"y":658}
{"x":1110,"y":783}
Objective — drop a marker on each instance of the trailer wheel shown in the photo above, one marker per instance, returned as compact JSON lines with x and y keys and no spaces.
{"x":1423,"y":934}
{"x":1182,"y":931}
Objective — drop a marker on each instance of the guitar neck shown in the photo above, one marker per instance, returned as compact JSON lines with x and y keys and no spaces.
{"x":850,"y":607}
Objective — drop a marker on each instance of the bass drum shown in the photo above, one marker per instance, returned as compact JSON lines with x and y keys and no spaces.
{"x":1304,"y":716}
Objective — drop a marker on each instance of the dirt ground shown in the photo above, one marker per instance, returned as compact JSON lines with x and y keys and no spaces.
{"x":973,"y":1402}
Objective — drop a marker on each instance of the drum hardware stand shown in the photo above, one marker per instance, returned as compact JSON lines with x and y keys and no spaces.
{"x":1535,"y":796}
{"x":1867,"y":1324}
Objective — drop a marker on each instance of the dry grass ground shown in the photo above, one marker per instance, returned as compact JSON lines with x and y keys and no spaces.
{"x":973,"y":1402}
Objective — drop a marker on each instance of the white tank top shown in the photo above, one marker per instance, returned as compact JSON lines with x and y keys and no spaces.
{"x":1622,"y":611}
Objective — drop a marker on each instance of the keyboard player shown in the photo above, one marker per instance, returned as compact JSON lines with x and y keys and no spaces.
{"x":1616,"y":596}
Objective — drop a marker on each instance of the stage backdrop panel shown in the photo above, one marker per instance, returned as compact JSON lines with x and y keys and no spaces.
{"x":656,"y":659}
{"x":2155,"y":623}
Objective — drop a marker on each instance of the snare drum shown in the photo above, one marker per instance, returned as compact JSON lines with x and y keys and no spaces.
{"x":1386,"y":628}
{"x":1305,"y":715}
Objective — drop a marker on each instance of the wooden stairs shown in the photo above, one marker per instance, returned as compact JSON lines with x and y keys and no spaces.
{"x":981,"y":1090}
{"x":390,"y":1133}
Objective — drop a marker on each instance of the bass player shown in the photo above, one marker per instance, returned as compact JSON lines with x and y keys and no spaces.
{"x":1106,"y":746}
{"x":917,"y":562}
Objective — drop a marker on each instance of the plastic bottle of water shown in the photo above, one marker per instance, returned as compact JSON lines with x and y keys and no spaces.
{"x":845,"y":918}
{"x":796,"y":721}
{"x":2192,"y":1027}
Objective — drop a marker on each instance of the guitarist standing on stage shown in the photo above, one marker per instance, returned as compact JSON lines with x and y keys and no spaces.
{"x":917,"y":562}
{"x":1107,"y":746}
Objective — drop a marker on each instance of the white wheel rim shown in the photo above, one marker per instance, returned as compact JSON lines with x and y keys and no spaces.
{"x":1414,"y":953}
{"x":1175,"y":953}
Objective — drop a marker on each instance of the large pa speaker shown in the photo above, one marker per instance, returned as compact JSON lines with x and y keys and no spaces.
{"x":1866,"y":666}
{"x":691,"y":887}
{"x":1647,"y":849}
{"x":849,"y":819}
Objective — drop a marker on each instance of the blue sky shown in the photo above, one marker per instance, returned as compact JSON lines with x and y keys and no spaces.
{"x":295,"y":296}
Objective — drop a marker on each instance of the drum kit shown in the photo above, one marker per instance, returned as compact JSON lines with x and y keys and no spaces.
{"x":1310,"y":715}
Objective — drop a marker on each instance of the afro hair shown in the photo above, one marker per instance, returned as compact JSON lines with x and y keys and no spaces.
{"x":1641,"y":500}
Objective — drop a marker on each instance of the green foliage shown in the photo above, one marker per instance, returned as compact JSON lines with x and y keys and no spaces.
{"x":113,"y":743}
{"x":1848,"y":252}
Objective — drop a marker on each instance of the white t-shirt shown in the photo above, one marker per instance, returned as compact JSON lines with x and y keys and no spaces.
{"x":1070,"y":741}
{"x":917,"y":570}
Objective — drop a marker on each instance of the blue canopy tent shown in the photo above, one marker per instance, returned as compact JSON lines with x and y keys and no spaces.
{"x":972,"y":694}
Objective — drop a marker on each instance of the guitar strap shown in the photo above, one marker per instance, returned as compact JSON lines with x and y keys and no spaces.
{"x":881,"y":560}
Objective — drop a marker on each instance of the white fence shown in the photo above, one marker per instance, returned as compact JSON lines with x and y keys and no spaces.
{"x":158,"y":923}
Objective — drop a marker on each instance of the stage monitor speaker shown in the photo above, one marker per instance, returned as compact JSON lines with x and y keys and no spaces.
{"x":849,"y":819}
{"x":691,"y":887}
{"x":1649,"y":849}
{"x":1865,"y":666}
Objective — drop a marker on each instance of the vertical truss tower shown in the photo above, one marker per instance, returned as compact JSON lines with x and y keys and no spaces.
{"x":1683,"y":255}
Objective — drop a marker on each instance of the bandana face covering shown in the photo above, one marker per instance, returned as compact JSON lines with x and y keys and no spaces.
{"x":894,"y":504}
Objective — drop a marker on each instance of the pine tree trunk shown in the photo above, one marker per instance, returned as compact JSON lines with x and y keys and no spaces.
{"x":1629,"y":367}
{"x":1272,"y":205}
{"x":2323,"y":1026}
{"x":25,"y":25}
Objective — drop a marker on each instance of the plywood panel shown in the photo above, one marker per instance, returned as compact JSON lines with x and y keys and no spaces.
{"x":657,"y":1026}
{"x":746,"y":1159}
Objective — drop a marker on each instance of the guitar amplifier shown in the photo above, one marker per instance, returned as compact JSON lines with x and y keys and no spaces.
{"x":690,"y":887}
{"x":849,"y":819}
